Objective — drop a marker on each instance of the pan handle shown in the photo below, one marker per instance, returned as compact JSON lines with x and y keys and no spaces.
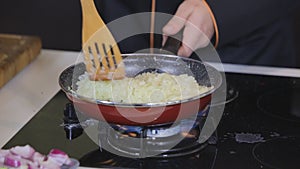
{"x":172,"y":44}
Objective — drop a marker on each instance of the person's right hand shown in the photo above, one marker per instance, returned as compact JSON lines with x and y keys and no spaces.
{"x":193,"y":16}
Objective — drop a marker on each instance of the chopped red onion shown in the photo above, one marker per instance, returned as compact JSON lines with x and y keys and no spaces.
{"x":12,"y":161}
{"x":3,"y":153}
{"x":49,"y":164}
{"x":26,"y":156}
{"x":38,"y":157}
{"x":32,"y":166}
{"x":59,"y":156}
{"x":24,"y":151}
{"x":56,"y":152}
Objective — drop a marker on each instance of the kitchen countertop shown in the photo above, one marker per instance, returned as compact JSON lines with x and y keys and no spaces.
{"x":23,"y":96}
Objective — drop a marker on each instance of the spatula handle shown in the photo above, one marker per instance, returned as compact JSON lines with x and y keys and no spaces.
{"x":172,"y":44}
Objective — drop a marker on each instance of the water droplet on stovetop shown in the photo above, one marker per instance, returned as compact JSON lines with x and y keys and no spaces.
{"x":248,"y":138}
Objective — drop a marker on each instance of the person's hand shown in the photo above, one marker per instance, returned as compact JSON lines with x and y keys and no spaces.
{"x":194,"y":17}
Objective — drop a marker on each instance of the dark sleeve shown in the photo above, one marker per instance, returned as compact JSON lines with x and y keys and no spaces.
{"x":237,"y":18}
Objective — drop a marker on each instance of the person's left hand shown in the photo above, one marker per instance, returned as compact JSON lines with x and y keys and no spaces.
{"x":194,"y":17}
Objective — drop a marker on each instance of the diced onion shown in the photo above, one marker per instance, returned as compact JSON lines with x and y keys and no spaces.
{"x":25,"y":157}
{"x":11,"y":161}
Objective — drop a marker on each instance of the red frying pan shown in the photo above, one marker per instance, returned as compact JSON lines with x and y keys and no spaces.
{"x":146,"y":113}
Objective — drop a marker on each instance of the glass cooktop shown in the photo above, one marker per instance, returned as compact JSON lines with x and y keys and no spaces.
{"x":260,"y":128}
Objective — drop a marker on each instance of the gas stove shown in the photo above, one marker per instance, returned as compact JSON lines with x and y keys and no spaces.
{"x":260,"y":128}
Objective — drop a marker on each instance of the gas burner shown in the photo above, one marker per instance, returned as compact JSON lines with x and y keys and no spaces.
{"x":170,"y":140}
{"x":163,"y":140}
{"x":204,"y":159}
{"x":147,"y":132}
{"x":282,"y":104}
{"x":279,"y":153}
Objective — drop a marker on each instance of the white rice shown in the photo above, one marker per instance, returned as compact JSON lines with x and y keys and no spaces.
{"x":144,"y":88}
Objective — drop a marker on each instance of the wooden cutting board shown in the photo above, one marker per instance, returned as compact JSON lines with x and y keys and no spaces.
{"x":16,"y":52}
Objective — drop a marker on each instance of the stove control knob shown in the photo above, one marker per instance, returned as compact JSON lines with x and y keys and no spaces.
{"x":70,"y":114}
{"x":71,"y":125}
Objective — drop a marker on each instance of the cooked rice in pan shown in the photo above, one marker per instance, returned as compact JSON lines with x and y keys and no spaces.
{"x":144,"y":88}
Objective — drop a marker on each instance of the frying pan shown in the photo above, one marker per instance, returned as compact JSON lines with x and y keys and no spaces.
{"x":147,"y":113}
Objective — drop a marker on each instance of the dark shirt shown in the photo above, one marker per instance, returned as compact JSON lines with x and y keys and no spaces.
{"x":251,"y":32}
{"x":257,"y":32}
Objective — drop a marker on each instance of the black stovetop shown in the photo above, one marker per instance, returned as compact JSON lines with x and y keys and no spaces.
{"x":259,"y":129}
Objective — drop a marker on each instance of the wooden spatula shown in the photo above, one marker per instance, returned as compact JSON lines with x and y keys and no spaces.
{"x":102,"y":56}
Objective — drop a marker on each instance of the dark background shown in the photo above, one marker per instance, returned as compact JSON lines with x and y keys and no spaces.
{"x":58,"y":22}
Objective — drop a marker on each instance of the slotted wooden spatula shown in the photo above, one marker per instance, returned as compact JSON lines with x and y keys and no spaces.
{"x":102,"y":56}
